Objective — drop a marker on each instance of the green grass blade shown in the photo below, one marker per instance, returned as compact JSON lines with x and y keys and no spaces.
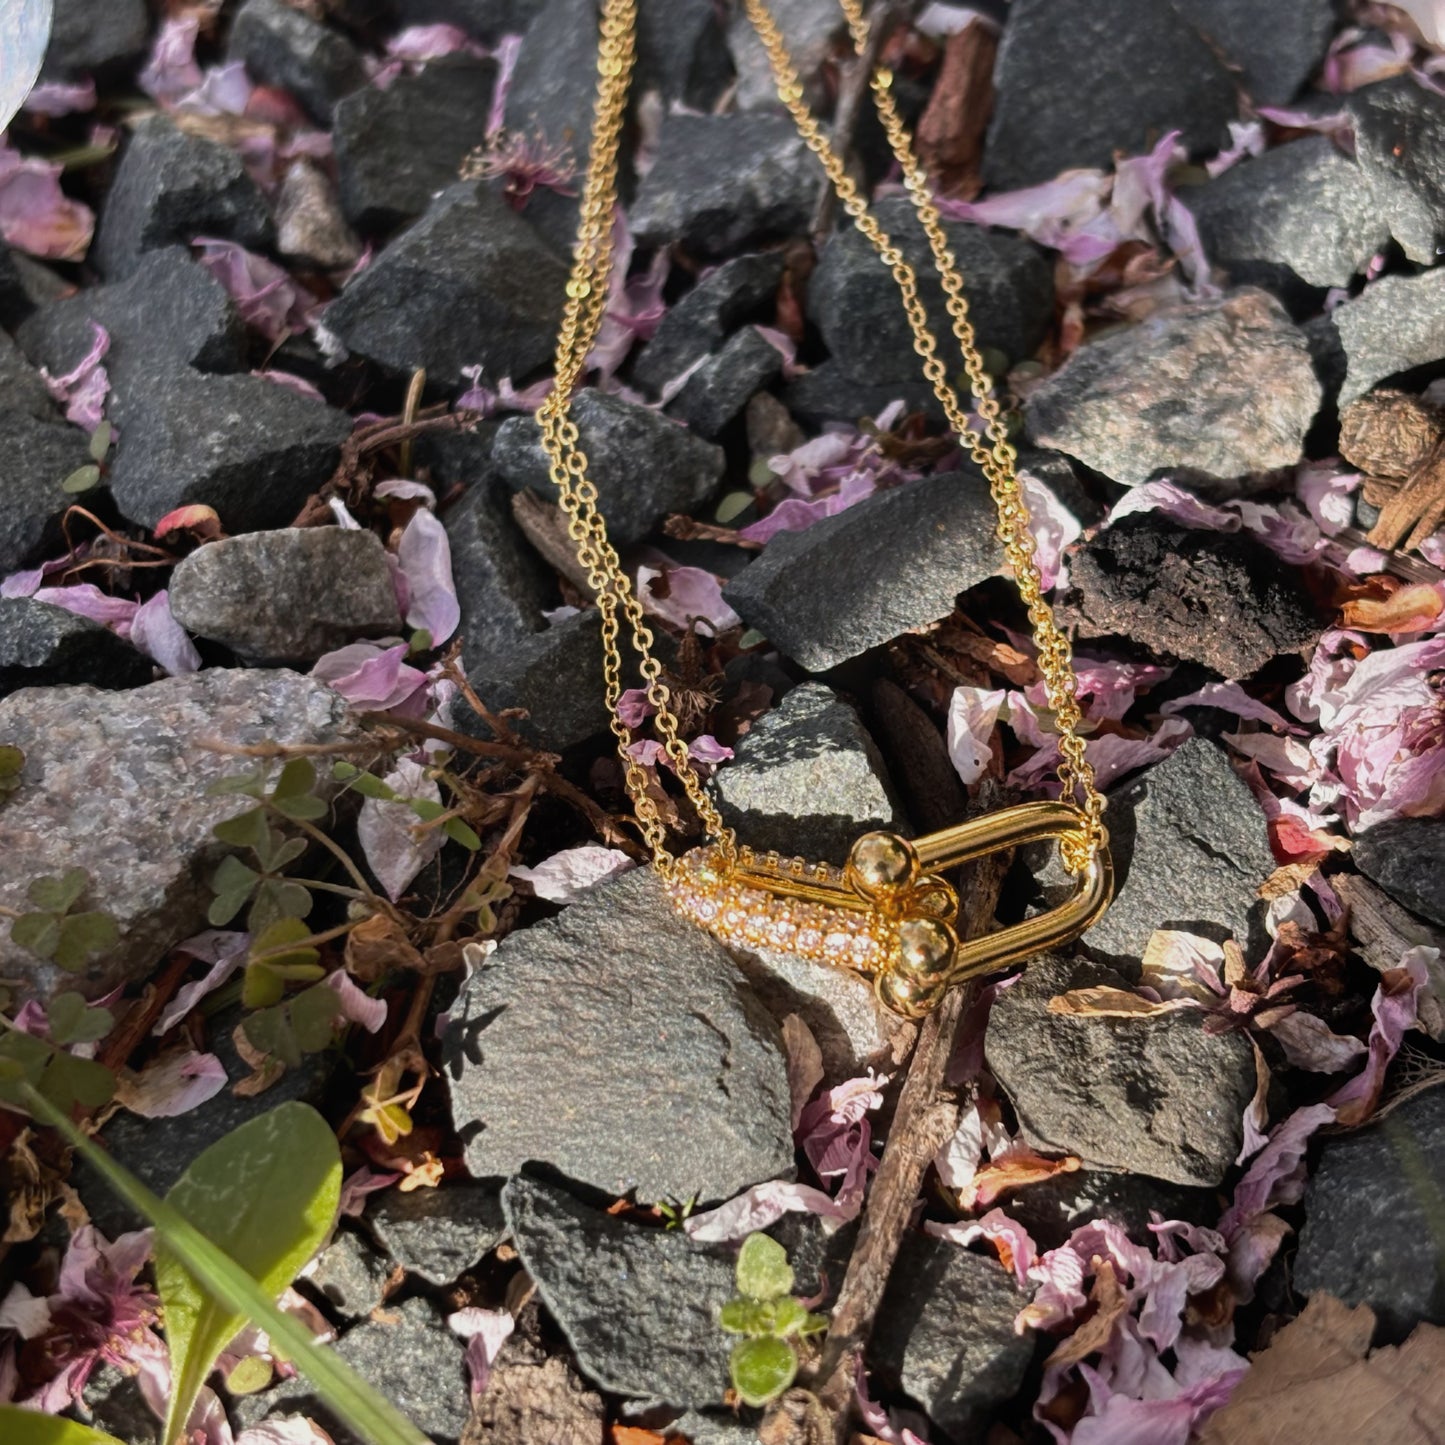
{"x":346,"y":1393}
{"x":33,"y":1427}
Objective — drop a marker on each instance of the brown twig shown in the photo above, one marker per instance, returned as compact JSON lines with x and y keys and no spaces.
{"x":924,"y":1119}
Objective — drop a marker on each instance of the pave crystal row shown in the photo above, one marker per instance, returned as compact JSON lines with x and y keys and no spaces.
{"x":707,"y":893}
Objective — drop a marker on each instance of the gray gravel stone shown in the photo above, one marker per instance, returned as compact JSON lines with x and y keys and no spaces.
{"x":396,"y":148}
{"x":680,"y":52}
{"x":835,"y":590}
{"x":854,"y":300}
{"x":439,"y":1234}
{"x":253,"y":450}
{"x":16,"y":303}
{"x":724,"y":182}
{"x":700,"y":1428}
{"x":617,"y":1044}
{"x":407,"y":1353}
{"x":171,"y":187}
{"x":116,"y":1405}
{"x":1370,"y":1234}
{"x":85,"y":37}
{"x":1190,"y":851}
{"x":484,"y":20}
{"x":42,"y":645}
{"x":287,"y":595}
{"x":22,"y":388}
{"x":116,"y":783}
{"x":1399,"y":135}
{"x":807,"y":779}
{"x":1393,"y":325}
{"x":170,"y":311}
{"x":471,"y":283}
{"x":696,"y":326}
{"x":643,"y":465}
{"x":1406,"y":858}
{"x":1150,"y":72}
{"x":639,"y":1306}
{"x":1300,"y":214}
{"x":723,"y":385}
{"x":945,"y":1334}
{"x":288,"y":49}
{"x":1156,"y":1096}
{"x":1219,"y":598}
{"x":809,"y":27}
{"x":350,"y":1276}
{"x":1275,"y":47}
{"x":545,"y":100}
{"x":827,"y":393}
{"x":39,"y":455}
{"x":310,"y":228}
{"x":1215,"y":392}
{"x":1053,"y":1208}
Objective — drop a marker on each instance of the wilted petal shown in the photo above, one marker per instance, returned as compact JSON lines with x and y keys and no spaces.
{"x":682,"y":595}
{"x":171,"y":70}
{"x":1053,"y":526}
{"x":155,"y":631}
{"x":763,"y":1205}
{"x":36,"y":216}
{"x":1395,"y":1008}
{"x":565,"y":876}
{"x":85,"y":599}
{"x":392,"y":838}
{"x":1014,"y":1243}
{"x":972,"y":714}
{"x":285,"y":1430}
{"x":360,"y":1183}
{"x":357,"y":1006}
{"x":1175,"y":502}
{"x":173,"y":1084}
{"x":485,"y":1331}
{"x":1310,"y":1043}
{"x":425,"y":555}
{"x":1275,"y":1175}
{"x":1229,"y":697}
{"x":369,"y":675}
{"x":267,"y":297}
{"x":27,"y":1314}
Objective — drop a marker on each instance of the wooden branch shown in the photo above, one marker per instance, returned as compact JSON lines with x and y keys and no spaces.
{"x":925,"y":1117}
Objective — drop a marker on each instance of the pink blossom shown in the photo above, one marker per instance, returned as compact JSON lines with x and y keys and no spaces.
{"x":225,"y":951}
{"x":1328,"y":495}
{"x":357,"y":1006}
{"x":1229,"y":697}
{"x":420,"y":43}
{"x":1054,"y":527}
{"x":1277,"y":1174}
{"x":171,"y":71}
{"x":707,"y":752}
{"x":565,"y":876}
{"x":173,"y":1085}
{"x":61,"y":97}
{"x":972,"y":714}
{"x":485,"y":1332}
{"x":36,"y":216}
{"x":836,"y":1136}
{"x":795,"y":514}
{"x":85,"y":599}
{"x":360,"y":1183}
{"x":1309,"y":1043}
{"x":283,"y":1430}
{"x":298,"y":384}
{"x":1353,"y":61}
{"x":634,"y":708}
{"x":1174,"y":501}
{"x":634,"y":307}
{"x":393,"y":841}
{"x":155,"y":631}
{"x":684,"y":595}
{"x":370,"y":676}
{"x":763,"y":1205}
{"x":1014,"y":1240}
{"x":406,"y":490}
{"x":425,"y":556}
{"x":28,"y":582}
{"x":1118,"y":1419}
{"x":266,"y":296}
{"x":1395,"y":1009}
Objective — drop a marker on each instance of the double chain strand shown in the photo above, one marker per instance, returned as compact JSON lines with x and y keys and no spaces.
{"x":586,"y":303}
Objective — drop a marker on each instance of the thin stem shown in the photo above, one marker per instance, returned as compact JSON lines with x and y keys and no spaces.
{"x":282,"y":949}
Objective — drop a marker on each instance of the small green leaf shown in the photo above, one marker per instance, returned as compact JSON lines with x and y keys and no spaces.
{"x":314,"y":1015}
{"x":427,"y":809}
{"x":56,"y":895}
{"x":275,"y":850}
{"x":277,"y":898}
{"x":269,"y":1031}
{"x":37,"y":933}
{"x":245,"y":830}
{"x":762,"y":1369}
{"x":250,"y":1374}
{"x":787,"y":1316}
{"x":751,"y":638}
{"x":250,"y":785}
{"x":734,"y":504}
{"x":82,"y":937}
{"x":460,"y":832}
{"x":760,"y":474}
{"x":370,"y":786}
{"x":34,"y":1427}
{"x":297,"y":777}
{"x":23,"y":1059}
{"x":68,"y":1081}
{"x":301,"y":805}
{"x":419,"y":641}
{"x":763,"y":1269}
{"x":344,"y":772}
{"x":262,"y":987}
{"x":73,"y":1021}
{"x":277,"y":941}
{"x":100,"y":441}
{"x":743,"y":1316}
{"x":11,"y":760}
{"x":82,"y":479}
{"x":267,"y":1196}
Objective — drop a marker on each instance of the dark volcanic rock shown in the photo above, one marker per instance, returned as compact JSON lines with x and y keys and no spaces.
{"x":701,"y":1105}
{"x":1190,"y":851}
{"x":808,"y":26}
{"x":1150,"y":72}
{"x":16,"y":302}
{"x":41,"y":646}
{"x":440,"y":1233}
{"x":396,"y":148}
{"x":724,"y":384}
{"x":1406,"y":858}
{"x":1370,"y":1235}
{"x":806,"y":779}
{"x":1302,"y":214}
{"x":945,"y":1334}
{"x":86,"y":37}
{"x":171,"y":187}
{"x":471,"y":283}
{"x":722,"y":182}
{"x":284,"y":48}
{"x":854,"y":299}
{"x":1275,"y":47}
{"x":310,"y":227}
{"x":115,"y":1404}
{"x":115,"y":782}
{"x":828,"y":593}
{"x":639,"y":1306}
{"x":39,"y":455}
{"x":554,"y":675}
{"x":1400,"y":141}
{"x":288,"y":595}
{"x":251,"y":449}
{"x":1213,"y":391}
{"x":827,"y":393}
{"x":170,"y":311}
{"x":697,"y":325}
{"x":681,"y":53}
{"x":643,"y":465}
{"x":1156,"y":1096}
{"x":407,"y":1352}
{"x":1393,"y":325}
{"x":1219,"y":598}
{"x":548,"y":99}
{"x":350,"y":1276}
{"x":22,"y":388}
{"x":1053,"y":1208}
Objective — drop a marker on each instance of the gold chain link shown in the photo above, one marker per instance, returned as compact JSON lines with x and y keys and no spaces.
{"x":991,"y":449}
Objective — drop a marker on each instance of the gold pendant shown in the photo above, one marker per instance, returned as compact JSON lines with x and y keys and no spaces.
{"x":888,"y":914}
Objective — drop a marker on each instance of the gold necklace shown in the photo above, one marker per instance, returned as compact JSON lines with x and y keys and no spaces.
{"x":888,"y":914}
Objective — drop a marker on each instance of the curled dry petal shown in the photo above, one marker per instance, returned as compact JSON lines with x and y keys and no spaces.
{"x":972,"y":714}
{"x":565,"y":876}
{"x":173,"y":1084}
{"x":425,"y":556}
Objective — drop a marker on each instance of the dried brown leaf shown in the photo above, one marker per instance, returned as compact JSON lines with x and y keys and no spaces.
{"x":1286,"y":879}
{"x":377,"y":946}
{"x":1112,"y":1003}
{"x":1408,"y":609}
{"x":1110,"y":1301}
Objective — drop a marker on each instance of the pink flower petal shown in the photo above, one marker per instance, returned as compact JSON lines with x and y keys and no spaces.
{"x":85,"y":599}
{"x":225,"y":951}
{"x":763,"y":1205}
{"x":1231,"y":697}
{"x":61,"y":97}
{"x":425,"y":556}
{"x":357,"y":1006}
{"x":171,"y":71}
{"x":1309,"y":1043}
{"x":370,"y":676}
{"x":358,"y":1184}
{"x":680,"y":595}
{"x":997,"y":1228}
{"x":155,"y":631}
{"x":36,"y":216}
{"x":972,"y":714}
{"x":393,"y":841}
{"x":485,"y":1331}
{"x":266,"y":296}
{"x":565,"y":876}
{"x":173,"y":1085}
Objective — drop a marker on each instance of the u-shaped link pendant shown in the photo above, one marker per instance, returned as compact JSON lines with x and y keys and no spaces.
{"x":889,"y":913}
